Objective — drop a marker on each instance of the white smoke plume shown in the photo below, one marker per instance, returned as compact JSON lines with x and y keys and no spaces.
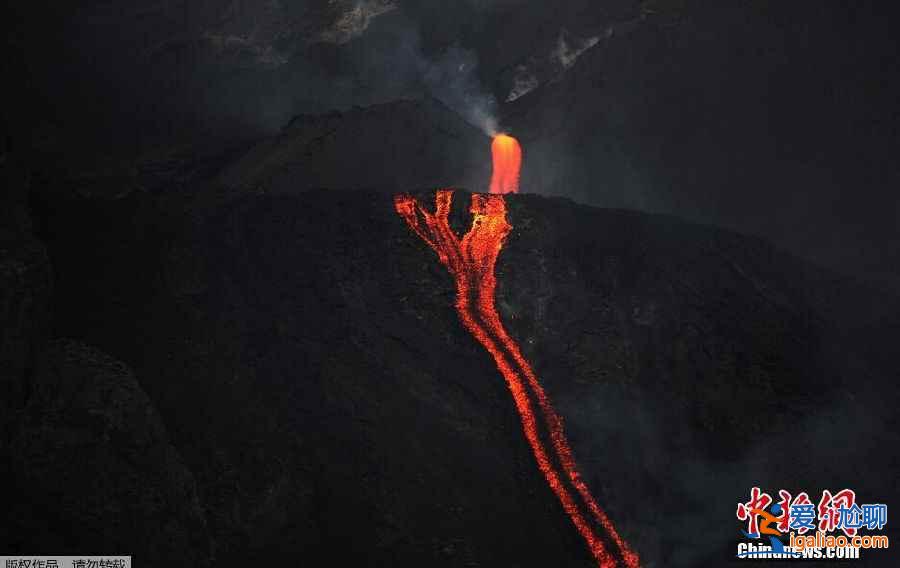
{"x":452,"y":79}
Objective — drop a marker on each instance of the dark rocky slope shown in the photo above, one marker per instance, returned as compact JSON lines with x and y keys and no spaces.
{"x":304,"y":356}
{"x":388,"y":147}
{"x":728,"y":113}
{"x":85,"y":461}
{"x":91,"y":466}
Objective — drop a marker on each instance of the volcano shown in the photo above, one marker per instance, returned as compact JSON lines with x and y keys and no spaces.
{"x":253,"y":314}
{"x":284,"y":374}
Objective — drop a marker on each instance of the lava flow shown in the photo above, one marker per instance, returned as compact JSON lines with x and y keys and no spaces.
{"x":507,"y":157}
{"x":471,"y":261}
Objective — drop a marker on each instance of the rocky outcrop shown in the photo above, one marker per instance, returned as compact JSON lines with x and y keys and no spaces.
{"x":25,"y":287}
{"x":85,"y":462}
{"x":91,"y":454}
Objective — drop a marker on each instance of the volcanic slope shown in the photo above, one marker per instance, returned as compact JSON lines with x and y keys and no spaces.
{"x":306,"y":359}
{"x":393,"y":146}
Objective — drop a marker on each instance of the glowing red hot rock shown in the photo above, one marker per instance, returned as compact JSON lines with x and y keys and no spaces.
{"x":471,"y":261}
{"x":507,"y":155}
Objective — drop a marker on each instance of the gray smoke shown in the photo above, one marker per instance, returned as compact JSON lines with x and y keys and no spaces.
{"x":388,"y":61}
{"x":451,"y":78}
{"x":368,"y":53}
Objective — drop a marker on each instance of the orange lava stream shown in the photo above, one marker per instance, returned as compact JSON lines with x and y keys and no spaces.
{"x":471,"y":260}
{"x":507,"y":157}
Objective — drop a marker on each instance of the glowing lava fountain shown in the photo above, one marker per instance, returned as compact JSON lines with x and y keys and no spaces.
{"x":471,"y":261}
{"x":507,"y":157}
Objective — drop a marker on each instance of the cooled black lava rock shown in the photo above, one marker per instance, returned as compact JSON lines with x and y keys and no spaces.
{"x":25,"y":287}
{"x":305,"y":356}
{"x":91,"y":467}
{"x":389,"y":147}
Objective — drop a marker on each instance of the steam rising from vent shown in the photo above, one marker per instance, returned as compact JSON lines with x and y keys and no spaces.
{"x":452,"y":79}
{"x":262,"y":63}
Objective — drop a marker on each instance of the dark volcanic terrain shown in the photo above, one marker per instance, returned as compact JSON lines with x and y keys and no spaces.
{"x":221,"y":347}
{"x":214,"y":375}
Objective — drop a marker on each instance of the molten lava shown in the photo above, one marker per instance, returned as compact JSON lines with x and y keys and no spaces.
{"x":471,"y":261}
{"x":507,"y":155}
